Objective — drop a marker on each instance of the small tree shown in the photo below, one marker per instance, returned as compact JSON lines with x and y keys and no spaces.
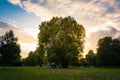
{"x":91,"y":58}
{"x":83,"y":62}
{"x":32,"y":59}
{"x":9,"y":49}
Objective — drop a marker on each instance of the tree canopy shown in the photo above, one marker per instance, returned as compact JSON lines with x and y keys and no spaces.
{"x":61,"y":40}
{"x":9,"y":49}
{"x":108,"y":52}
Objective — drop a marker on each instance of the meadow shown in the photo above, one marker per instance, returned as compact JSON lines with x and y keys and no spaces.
{"x":76,"y":73}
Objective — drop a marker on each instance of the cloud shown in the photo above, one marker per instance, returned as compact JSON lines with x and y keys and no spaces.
{"x":90,"y":13}
{"x":49,"y":8}
{"x":38,"y":10}
{"x":23,"y":36}
{"x":15,"y":2}
{"x":3,"y":25}
{"x":27,"y":42}
{"x":95,"y":36}
{"x":67,"y":7}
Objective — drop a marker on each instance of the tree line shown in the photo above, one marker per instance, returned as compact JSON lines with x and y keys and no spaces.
{"x":60,"y":43}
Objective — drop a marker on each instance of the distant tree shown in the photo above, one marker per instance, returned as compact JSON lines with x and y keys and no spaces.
{"x":31,"y":60}
{"x":91,"y":58}
{"x":9,"y":49}
{"x":83,"y":62}
{"x":61,"y":40}
{"x":39,"y":56}
{"x":108,"y":52}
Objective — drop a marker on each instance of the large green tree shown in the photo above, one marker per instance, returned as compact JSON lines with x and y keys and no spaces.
{"x":108,"y":52}
{"x":9,"y":49}
{"x":61,"y":40}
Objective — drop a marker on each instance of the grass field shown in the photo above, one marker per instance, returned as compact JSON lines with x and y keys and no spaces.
{"x":37,"y":73}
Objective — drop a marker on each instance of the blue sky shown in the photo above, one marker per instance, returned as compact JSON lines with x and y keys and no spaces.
{"x":99,"y":17}
{"x":17,"y":15}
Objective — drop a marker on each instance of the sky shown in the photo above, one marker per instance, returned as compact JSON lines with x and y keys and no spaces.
{"x":100,"y":18}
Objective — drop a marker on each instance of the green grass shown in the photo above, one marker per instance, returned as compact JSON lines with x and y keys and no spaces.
{"x":80,"y":73}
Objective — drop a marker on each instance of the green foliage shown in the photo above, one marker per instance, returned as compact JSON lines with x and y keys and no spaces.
{"x":108,"y":52}
{"x":9,"y":49}
{"x":32,"y":60}
{"x":83,"y":62}
{"x":91,"y":58}
{"x":61,"y":40}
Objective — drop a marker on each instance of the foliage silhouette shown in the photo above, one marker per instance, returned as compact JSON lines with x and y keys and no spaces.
{"x":9,"y":50}
{"x":108,"y":52}
{"x":91,"y":58}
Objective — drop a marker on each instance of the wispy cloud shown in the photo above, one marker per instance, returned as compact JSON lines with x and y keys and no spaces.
{"x":87,"y":12}
{"x":16,"y":2}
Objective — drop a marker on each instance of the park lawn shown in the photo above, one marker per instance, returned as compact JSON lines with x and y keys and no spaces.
{"x":79,"y":73}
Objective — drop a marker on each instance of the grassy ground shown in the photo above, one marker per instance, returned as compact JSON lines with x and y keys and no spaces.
{"x":37,"y":73}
